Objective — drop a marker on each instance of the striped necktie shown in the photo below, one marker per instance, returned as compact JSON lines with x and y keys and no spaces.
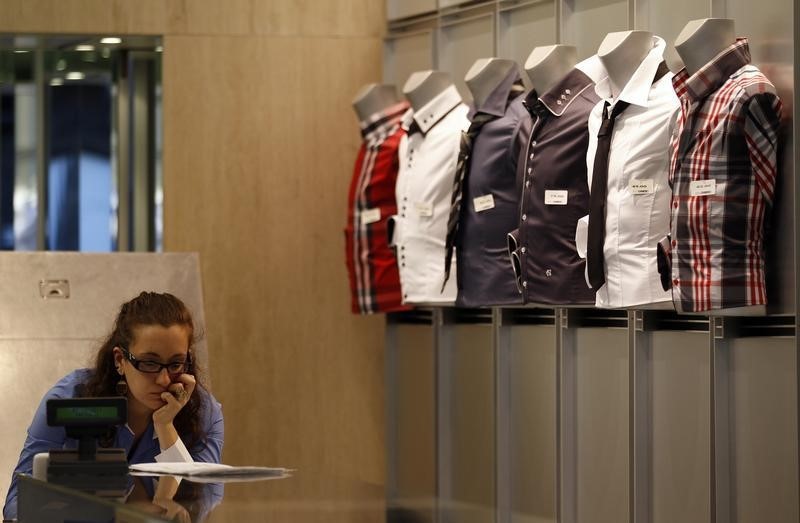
{"x":467,"y":139}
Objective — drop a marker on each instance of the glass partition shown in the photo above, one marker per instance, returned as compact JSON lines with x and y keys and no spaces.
{"x":80,"y":150}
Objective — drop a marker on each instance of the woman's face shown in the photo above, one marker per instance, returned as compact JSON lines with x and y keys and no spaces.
{"x":152,"y":343}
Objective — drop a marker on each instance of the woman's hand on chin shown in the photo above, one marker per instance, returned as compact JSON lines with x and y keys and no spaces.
{"x":175,"y":397}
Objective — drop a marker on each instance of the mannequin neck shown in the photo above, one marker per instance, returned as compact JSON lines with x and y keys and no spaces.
{"x":485,"y":76}
{"x":423,"y":86}
{"x":374,"y":98}
{"x":547,"y":65}
{"x":701,"y":40}
{"x":621,"y":54}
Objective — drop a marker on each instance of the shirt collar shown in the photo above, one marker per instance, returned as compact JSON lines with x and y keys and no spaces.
{"x":497,"y":101}
{"x":637,"y":90}
{"x":383,"y":122}
{"x":561,"y":95}
{"x":432,"y":112}
{"x":130,"y":431}
{"x":711,"y":76}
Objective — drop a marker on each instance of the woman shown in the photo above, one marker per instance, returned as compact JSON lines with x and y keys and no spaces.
{"x":149,"y":359}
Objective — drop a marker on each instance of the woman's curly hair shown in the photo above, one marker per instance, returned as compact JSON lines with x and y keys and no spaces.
{"x":149,"y":308}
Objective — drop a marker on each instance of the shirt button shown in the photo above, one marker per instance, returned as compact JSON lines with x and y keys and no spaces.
{"x":524,"y":217}
{"x":675,"y":281}
{"x":531,"y":156}
{"x":528,"y":183}
{"x":675,"y":205}
{"x":525,"y":284}
{"x":523,"y":250}
{"x":568,"y":91}
{"x":674,"y":243}
{"x":533,"y":142}
{"x":530,"y":169}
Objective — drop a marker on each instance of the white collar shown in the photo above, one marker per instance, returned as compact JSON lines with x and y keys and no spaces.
{"x":637,"y":90}
{"x":433,"y":111}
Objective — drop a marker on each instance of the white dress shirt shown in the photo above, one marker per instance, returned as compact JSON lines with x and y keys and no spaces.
{"x":424,"y":188}
{"x":638,"y":195}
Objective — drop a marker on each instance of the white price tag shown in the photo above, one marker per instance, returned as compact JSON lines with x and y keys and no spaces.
{"x":424,"y":209}
{"x":370,"y":216}
{"x":483,"y":203}
{"x":555,"y":197}
{"x":641,"y":187}
{"x":703,"y":187}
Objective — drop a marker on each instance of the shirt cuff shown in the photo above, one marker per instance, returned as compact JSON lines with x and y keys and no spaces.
{"x":582,"y":236}
{"x":177,"y":453}
{"x":513,"y":255}
{"x":391,"y":228}
{"x":664,"y":262}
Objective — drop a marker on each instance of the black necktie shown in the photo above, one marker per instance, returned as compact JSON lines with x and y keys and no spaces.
{"x":467,"y":138}
{"x":597,"y":201}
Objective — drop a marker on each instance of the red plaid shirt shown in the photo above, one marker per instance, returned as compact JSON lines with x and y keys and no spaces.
{"x":723,"y":173}
{"x":371,"y":263}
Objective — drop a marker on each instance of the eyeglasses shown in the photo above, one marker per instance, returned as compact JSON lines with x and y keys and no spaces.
{"x":154,"y":367}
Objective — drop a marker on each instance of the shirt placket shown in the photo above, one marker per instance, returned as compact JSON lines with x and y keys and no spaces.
{"x":617,"y":164}
{"x":527,"y":194}
{"x":680,"y":187}
{"x":404,"y":212}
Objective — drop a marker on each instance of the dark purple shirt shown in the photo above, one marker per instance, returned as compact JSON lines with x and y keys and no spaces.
{"x":555,"y":194}
{"x":490,"y":203}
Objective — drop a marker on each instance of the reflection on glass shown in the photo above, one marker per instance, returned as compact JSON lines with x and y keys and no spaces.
{"x":80,"y":143}
{"x":79,"y":170}
{"x":174,"y":500}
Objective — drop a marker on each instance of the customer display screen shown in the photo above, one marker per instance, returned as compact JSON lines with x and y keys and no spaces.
{"x":86,"y":412}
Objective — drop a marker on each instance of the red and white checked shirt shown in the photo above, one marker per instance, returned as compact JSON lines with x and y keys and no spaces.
{"x":371,"y":263}
{"x":723,"y":173}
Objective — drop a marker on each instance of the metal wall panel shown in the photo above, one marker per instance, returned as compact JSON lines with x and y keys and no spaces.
{"x":667,"y":19}
{"x":525,"y":27}
{"x":471,"y":424}
{"x":461,"y":43}
{"x":407,"y":53}
{"x":533,"y":424}
{"x":412,"y":423}
{"x":680,"y":427}
{"x":396,"y":9}
{"x":763,"y":406}
{"x":585,"y":23}
{"x":41,"y":340}
{"x":602,"y":425}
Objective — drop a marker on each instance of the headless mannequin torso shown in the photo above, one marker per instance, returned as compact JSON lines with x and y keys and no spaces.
{"x":485,"y":75}
{"x":697,"y":44}
{"x":373,"y":98}
{"x":701,"y":40}
{"x":621,"y":54}
{"x":423,"y":86}
{"x":547,"y":65}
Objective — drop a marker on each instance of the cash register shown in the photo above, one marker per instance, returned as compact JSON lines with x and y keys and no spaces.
{"x":89,"y":467}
